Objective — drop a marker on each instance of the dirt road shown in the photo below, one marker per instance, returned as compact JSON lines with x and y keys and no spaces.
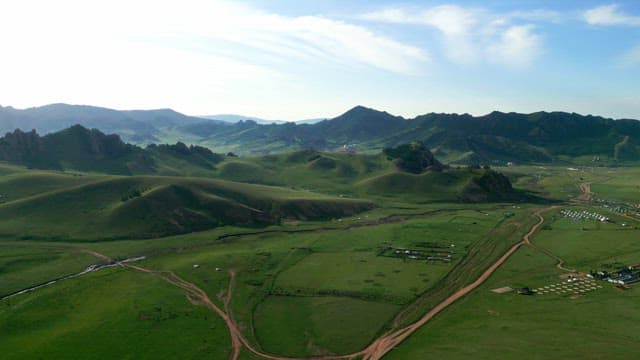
{"x":375,"y":350}
{"x":198,"y":296}
{"x":586,"y":195}
{"x":384,"y":344}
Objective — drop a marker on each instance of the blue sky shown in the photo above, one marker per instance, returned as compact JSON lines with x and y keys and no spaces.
{"x":305,"y":59}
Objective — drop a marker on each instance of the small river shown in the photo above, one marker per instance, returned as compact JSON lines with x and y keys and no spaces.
{"x":88,"y":269}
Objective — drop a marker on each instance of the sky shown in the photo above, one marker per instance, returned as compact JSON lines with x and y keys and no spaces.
{"x":292,"y":60}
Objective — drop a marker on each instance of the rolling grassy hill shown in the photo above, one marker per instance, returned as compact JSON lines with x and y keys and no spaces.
{"x":87,"y":198}
{"x":80,"y":149}
{"x":386,"y":174}
{"x":143,"y":207}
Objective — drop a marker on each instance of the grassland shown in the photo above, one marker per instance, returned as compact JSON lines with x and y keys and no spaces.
{"x":266,"y":260}
{"x":21,"y":266}
{"x":299,"y":326}
{"x":136,"y":207}
{"x":308,"y":285}
{"x":594,"y":325}
{"x":109,"y":314}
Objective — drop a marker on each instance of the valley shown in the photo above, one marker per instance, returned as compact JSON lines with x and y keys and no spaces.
{"x":320,"y":180}
{"x":301,"y":259}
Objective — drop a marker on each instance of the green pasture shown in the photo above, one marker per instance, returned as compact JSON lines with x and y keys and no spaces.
{"x":598,"y":324}
{"x":303,"y":326}
{"x":23,"y":266}
{"x":110,"y":314}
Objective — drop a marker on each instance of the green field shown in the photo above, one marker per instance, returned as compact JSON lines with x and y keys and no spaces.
{"x":597,"y":324}
{"x":299,"y":326}
{"x":319,"y":270}
{"x":33,"y":265}
{"x":124,"y":314}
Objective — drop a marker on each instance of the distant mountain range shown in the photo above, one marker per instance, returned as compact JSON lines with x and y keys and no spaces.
{"x":497,"y":137}
{"x":137,"y":126}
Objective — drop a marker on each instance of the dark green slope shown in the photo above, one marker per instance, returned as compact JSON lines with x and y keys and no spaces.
{"x":80,"y":149}
{"x":143,"y":207}
{"x":409,"y":172}
{"x":450,"y":185}
{"x":538,"y":137}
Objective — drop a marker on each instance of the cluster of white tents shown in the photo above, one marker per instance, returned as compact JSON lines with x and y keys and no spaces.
{"x":583,"y":215}
{"x":572,"y":286}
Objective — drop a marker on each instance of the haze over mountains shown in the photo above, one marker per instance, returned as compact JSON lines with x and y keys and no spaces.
{"x":493,"y":138}
{"x":234,"y":118}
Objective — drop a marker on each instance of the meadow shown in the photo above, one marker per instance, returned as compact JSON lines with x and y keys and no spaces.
{"x":487,"y":325}
{"x":594,"y":325}
{"x":309,"y":286}
{"x":123,"y":313}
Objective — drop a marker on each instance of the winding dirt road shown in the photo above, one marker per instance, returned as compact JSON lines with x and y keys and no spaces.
{"x":386,"y":343}
{"x":375,"y":350}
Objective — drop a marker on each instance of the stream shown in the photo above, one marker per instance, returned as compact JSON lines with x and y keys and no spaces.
{"x":88,"y":269}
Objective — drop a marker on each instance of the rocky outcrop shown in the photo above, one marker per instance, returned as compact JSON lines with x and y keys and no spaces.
{"x":414,"y":157}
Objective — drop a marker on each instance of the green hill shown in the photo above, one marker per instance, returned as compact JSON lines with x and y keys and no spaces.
{"x":80,"y":149}
{"x":143,"y":207}
{"x":451,"y":185}
{"x":540,"y":137}
{"x":178,"y":202}
{"x":408,"y":172}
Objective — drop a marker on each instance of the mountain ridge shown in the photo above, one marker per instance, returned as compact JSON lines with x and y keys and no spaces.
{"x":137,"y":126}
{"x":495,"y":138}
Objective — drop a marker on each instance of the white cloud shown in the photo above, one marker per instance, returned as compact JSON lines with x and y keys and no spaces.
{"x":454,"y":22}
{"x":610,"y":15}
{"x":630,"y":58}
{"x":284,"y":38}
{"x":194,"y":55}
{"x":472,"y":34}
{"x":518,"y":46}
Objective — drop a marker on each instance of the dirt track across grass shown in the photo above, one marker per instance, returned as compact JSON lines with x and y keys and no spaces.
{"x":375,"y":350}
{"x":387,"y":342}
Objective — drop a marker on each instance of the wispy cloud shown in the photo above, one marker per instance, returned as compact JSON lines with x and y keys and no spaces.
{"x":454,"y":22}
{"x":241,"y":29}
{"x":610,"y":15}
{"x":192,"y":54}
{"x":473,"y":34}
{"x":312,"y":39}
{"x":518,"y":46}
{"x":631,"y":58}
